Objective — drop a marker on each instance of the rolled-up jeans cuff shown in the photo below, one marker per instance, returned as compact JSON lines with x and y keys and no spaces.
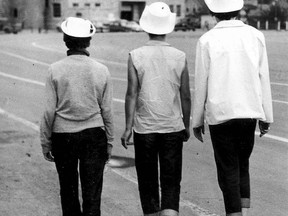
{"x":169,"y":212}
{"x":245,"y":202}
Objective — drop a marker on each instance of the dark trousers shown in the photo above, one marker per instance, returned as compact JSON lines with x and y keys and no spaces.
{"x":233,"y":143}
{"x":87,"y":148}
{"x":167,"y":149}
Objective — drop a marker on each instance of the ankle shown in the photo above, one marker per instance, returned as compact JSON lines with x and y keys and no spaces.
{"x":244,"y":211}
{"x":169,"y":212}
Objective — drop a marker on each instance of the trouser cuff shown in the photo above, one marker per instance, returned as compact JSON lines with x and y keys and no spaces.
{"x":245,"y":202}
{"x":169,"y":212}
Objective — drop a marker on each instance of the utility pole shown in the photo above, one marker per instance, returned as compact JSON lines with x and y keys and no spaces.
{"x":46,"y":14}
{"x":278,"y":23}
{"x":274,"y":3}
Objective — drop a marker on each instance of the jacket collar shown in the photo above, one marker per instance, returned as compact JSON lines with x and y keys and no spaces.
{"x":229,"y":23}
{"x":157,"y":43}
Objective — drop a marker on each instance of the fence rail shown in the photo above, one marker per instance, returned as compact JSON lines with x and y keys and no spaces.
{"x":266,"y":25}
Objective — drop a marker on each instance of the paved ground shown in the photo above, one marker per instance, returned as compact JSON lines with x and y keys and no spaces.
{"x":29,"y":185}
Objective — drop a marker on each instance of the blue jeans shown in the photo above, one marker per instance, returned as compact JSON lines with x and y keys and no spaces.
{"x":89,"y":147}
{"x":167,"y":149}
{"x":233,"y":143}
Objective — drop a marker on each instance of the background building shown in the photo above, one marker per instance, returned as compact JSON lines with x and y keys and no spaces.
{"x":24,"y":13}
{"x":195,"y":7}
{"x":46,"y":14}
{"x":104,"y":10}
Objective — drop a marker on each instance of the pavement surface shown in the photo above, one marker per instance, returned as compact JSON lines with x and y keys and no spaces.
{"x":29,"y":184}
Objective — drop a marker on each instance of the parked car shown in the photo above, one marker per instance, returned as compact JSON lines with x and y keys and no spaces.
{"x":9,"y":27}
{"x":118,"y":26}
{"x":193,"y":20}
{"x":134,"y":26}
{"x":184,"y":26}
{"x":100,"y":27}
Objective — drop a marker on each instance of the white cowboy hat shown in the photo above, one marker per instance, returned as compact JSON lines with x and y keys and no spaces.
{"x":224,"y":6}
{"x":157,"y":19}
{"x":78,"y":27}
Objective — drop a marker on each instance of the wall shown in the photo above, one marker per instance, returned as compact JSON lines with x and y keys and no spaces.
{"x":98,"y":10}
{"x":111,"y":9}
{"x":26,"y":13}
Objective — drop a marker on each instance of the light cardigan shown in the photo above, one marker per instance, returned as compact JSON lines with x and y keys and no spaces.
{"x":78,"y":96}
{"x":231,"y":75}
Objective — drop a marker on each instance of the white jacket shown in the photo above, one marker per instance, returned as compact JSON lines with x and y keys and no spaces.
{"x":231,"y":75}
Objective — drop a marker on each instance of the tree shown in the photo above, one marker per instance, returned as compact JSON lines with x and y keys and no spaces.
{"x":4,"y":8}
{"x":279,"y":10}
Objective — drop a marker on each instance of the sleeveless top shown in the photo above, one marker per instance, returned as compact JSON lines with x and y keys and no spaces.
{"x":159,"y":68}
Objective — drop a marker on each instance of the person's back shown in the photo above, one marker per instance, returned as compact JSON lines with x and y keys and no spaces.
{"x":80,"y":82}
{"x":159,"y":68}
{"x":234,"y":53}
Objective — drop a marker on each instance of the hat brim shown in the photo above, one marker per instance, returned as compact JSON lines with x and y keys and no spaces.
{"x":158,"y":30}
{"x":224,"y":6}
{"x":76,"y":33}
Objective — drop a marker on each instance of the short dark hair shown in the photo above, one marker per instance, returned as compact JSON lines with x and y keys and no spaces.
{"x":225,"y":16}
{"x":155,"y":35}
{"x":75,"y":42}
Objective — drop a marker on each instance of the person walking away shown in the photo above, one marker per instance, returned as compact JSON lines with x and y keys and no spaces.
{"x":157,"y":107}
{"x":77,"y":122}
{"x":232,"y":91}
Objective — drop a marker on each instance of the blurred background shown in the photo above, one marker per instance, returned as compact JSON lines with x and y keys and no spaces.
{"x":123,"y":15}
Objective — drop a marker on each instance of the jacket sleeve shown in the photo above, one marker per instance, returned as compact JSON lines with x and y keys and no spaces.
{"x":106,"y":109}
{"x":265,"y":83}
{"x":48,"y":116}
{"x":201,"y":83}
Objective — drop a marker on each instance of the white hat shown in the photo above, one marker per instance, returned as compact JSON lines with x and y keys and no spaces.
{"x":78,"y":27}
{"x":224,"y":6}
{"x":157,"y":19}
